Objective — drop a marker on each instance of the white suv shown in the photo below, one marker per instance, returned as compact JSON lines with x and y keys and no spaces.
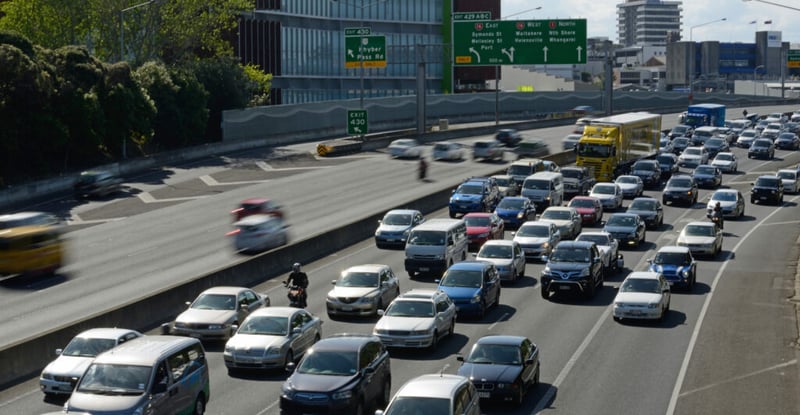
{"x":416,"y":319}
{"x":435,"y":394}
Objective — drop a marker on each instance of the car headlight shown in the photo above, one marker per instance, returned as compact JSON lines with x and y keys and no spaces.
{"x":585,"y":272}
{"x":229,"y":350}
{"x":519,"y":215}
{"x":546,"y":270}
{"x":406,"y":232}
{"x":439,"y":256}
{"x":483,"y":235}
{"x":475,"y":299}
{"x":421,"y":332}
{"x":331,"y":298}
{"x":341,"y":395}
{"x":368,"y":299}
{"x":545,"y":245}
{"x":272,"y":351}
{"x":377,"y":232}
{"x":652,"y":305}
{"x":287,"y":388}
{"x":216,"y":326}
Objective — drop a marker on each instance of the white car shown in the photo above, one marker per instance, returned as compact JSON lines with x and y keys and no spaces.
{"x":730,"y":201}
{"x":702,"y":238}
{"x":610,"y":195}
{"x":507,"y":256}
{"x":259,"y":232}
{"x":746,"y":137}
{"x":726,"y":162}
{"x":445,"y":150}
{"x":60,"y":376}
{"x":570,"y":141}
{"x":215,"y":312}
{"x":362,"y":290}
{"x":435,"y":393}
{"x":693,"y":157}
{"x":608,"y":247}
{"x":642,"y":295}
{"x":632,"y":186}
{"x":405,"y":148}
{"x":789,"y":177}
{"x":416,"y":319}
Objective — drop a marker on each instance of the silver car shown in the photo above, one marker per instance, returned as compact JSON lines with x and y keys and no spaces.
{"x":215,"y":312}
{"x":632,"y":186}
{"x":608,"y":247}
{"x":789,"y":177}
{"x":642,"y":295}
{"x":60,"y":376}
{"x":726,"y":162}
{"x":507,"y":256}
{"x":441,"y":394}
{"x":610,"y":195}
{"x":537,"y":238}
{"x":405,"y":148}
{"x":416,"y":319}
{"x":702,"y":238}
{"x":271,"y":338}
{"x":259,"y":232}
{"x":362,"y":290}
{"x":567,"y":219}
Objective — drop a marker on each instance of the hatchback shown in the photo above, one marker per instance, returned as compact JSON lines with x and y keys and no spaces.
{"x":680,"y":189}
{"x":590,"y":209}
{"x":730,"y":201}
{"x":610,"y":195}
{"x":702,"y":238}
{"x":395,"y":226}
{"x":676,"y":264}
{"x":627,"y":228}
{"x":514,"y":211}
{"x":537,"y":238}
{"x":474,"y":286}
{"x":726,"y":162}
{"x":642,"y":295}
{"x":488,"y":150}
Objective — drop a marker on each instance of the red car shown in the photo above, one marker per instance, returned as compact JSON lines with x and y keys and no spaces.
{"x":255,"y":206}
{"x":590,"y":209}
{"x":481,"y":227}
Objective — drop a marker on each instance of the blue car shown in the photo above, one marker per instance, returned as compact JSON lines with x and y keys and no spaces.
{"x":706,"y":175}
{"x":677,"y":265}
{"x":473,"y":286}
{"x":514,"y":211}
{"x":472,"y":196}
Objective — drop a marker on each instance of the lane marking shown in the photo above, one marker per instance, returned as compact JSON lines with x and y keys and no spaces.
{"x":740,"y":377}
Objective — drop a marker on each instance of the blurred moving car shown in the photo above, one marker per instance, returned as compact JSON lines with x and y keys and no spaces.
{"x":61,"y":375}
{"x":28,"y":218}
{"x":474,"y":286}
{"x":570,"y":141}
{"x":609,"y":194}
{"x":676,"y":264}
{"x":215,"y":312}
{"x":627,"y":228}
{"x":702,"y":238}
{"x":271,"y":338}
{"x":632,"y":186}
{"x":567,"y":220}
{"x":537,"y":239}
{"x":488,"y":150}
{"x":508,"y":136}
{"x":439,"y":394}
{"x":256,"y":233}
{"x":257,"y":206}
{"x":642,"y":295}
{"x":681,"y":188}
{"x":730,"y":201}
{"x":531,"y":147}
{"x":507,"y":185}
{"x":502,"y":367}
{"x":482,"y":227}
{"x":726,"y":162}
{"x":649,"y":209}
{"x":416,"y":319}
{"x":395,"y":226}
{"x":445,"y":150}
{"x":515,"y":210}
{"x":97,"y":183}
{"x":362,"y":290}
{"x":507,"y":256}
{"x":590,"y":209}
{"x":405,"y":148}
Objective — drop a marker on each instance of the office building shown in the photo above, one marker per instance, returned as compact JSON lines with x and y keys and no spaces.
{"x":647,"y":22}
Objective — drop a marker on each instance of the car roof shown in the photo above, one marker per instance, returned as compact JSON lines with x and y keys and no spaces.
{"x":734,"y":191}
{"x":224,"y":289}
{"x":366,"y":268}
{"x":501,"y":339}
{"x":432,"y":386}
{"x":523,"y":198}
{"x":274,"y":311}
{"x":545,"y":223}
{"x":585,"y":198}
{"x":788,"y":170}
{"x":471,"y":265}
{"x":560,"y":208}
{"x":501,"y":242}
{"x":674,"y":249}
{"x":256,"y":219}
{"x":643,"y":275}
{"x":478,"y":215}
{"x":403,"y":211}
{"x":344,"y":342}
{"x":145,"y":350}
{"x":420,"y":293}
{"x":502,"y":176}
{"x":595,"y":233}
{"x":575,"y":244}
{"x":699,"y":223}
{"x":625,"y":214}
{"x":627,"y":176}
{"x":105,"y":333}
{"x":254,"y":200}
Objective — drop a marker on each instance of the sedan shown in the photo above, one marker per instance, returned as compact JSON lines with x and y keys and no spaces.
{"x":628,"y":228}
{"x":362,"y":290}
{"x":417,"y":319}
{"x":649,"y":209}
{"x":216,"y":312}
{"x":481,"y":227}
{"x":762,"y":148}
{"x":702,"y":238}
{"x":271,"y":338}
{"x":502,"y":367}
{"x":608,"y":247}
{"x":726,"y":162}
{"x":680,"y":189}
{"x":256,"y":206}
{"x":730,"y":201}
{"x":680,"y":143}
{"x":681,"y":130}
{"x":395,"y":226}
{"x":60,"y":376}
{"x":716,"y":145}
{"x":707,"y":176}
{"x":590,"y":209}
{"x":787,"y":141}
{"x":789,"y":177}
{"x":405,"y":148}
{"x":693,"y":157}
{"x":256,"y":233}
{"x":642,"y":295}
{"x":668,"y":163}
{"x":648,"y":170}
{"x":537,"y":239}
{"x":445,"y":150}
{"x":632,"y":186}
{"x":567,"y":220}
{"x":515,"y":211}
{"x":507,"y":256}
{"x":474,"y":286}
{"x":610,"y":195}
{"x":746,"y":138}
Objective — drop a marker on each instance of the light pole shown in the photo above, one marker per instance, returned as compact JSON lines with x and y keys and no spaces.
{"x":754,"y":77}
{"x":122,"y":31}
{"x":691,"y":29}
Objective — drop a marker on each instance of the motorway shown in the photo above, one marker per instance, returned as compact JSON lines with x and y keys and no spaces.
{"x":728,"y":347}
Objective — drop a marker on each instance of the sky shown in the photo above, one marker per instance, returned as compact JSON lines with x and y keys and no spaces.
{"x":601,"y":17}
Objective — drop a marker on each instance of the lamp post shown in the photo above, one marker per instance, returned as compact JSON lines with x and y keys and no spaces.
{"x":122,"y":30}
{"x":754,"y":77}
{"x":691,"y":29}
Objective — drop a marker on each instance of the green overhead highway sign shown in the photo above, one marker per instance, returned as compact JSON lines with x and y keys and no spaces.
{"x":519,"y":42}
{"x":357,"y":122}
{"x":471,"y":16}
{"x":369,"y":51}
{"x":793,"y":58}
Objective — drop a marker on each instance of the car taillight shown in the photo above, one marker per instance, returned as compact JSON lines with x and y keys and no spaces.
{"x":233,"y":232}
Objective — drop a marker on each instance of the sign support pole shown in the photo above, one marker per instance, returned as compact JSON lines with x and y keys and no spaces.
{"x":497,"y":95}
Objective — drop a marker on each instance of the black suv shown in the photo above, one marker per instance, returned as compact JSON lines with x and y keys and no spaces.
{"x":680,"y":189}
{"x":345,"y":374}
{"x":573,"y":265}
{"x":767,"y":189}
{"x":647,"y":170}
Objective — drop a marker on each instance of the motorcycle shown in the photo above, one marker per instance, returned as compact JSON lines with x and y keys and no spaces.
{"x":422,"y":169}
{"x":297,"y":296}
{"x":717,"y":219}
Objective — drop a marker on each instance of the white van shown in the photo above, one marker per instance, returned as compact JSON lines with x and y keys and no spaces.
{"x":544,"y":189}
{"x":435,"y":245}
{"x":150,"y":374}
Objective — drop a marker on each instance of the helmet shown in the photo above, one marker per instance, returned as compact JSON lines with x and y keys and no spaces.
{"x":718,"y":203}
{"x":296,"y":267}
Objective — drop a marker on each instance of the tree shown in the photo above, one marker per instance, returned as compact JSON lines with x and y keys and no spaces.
{"x":49,"y":23}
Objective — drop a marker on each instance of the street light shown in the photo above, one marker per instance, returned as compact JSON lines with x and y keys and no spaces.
{"x":122,"y":30}
{"x":691,"y":29}
{"x":775,"y":4}
{"x":754,"y":77}
{"x":523,"y":12}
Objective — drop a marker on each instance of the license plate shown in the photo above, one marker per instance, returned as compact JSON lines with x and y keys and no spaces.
{"x":763,"y":198}
{"x":483,"y":394}
{"x":564,"y":287}
{"x":424,"y":269}
{"x":347,"y":308}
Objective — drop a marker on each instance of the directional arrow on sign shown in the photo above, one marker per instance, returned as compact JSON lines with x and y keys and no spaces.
{"x":350,"y":52}
{"x":477,"y":55}
{"x":579,"y":52}
{"x":510,"y":53}
{"x":357,"y":129}
{"x":545,"y":53}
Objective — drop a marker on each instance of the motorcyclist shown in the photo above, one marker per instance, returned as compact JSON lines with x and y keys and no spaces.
{"x":423,"y":168}
{"x":717,"y":214}
{"x":300,"y":279}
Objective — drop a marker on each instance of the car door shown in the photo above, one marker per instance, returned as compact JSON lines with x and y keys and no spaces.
{"x":389,"y":286}
{"x":445,"y":313}
{"x":491,"y":285}
{"x":528,"y":368}
{"x":518,"y":260}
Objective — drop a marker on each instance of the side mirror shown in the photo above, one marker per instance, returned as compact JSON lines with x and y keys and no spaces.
{"x":297,"y":331}
{"x":290,"y":367}
{"x":165,"y":328}
{"x":333,"y":282}
{"x":650,"y":261}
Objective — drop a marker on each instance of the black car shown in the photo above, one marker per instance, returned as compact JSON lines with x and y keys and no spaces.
{"x":508,"y":136}
{"x":627,"y":228}
{"x":762,"y":148}
{"x":668,"y":163}
{"x":787,"y":141}
{"x":573,"y":266}
{"x":681,"y":130}
{"x":345,"y":374}
{"x":707,"y":176}
{"x":680,"y":189}
{"x":716,"y":145}
{"x":649,"y":210}
{"x":97,"y":183}
{"x":767,"y":189}
{"x":647,"y":170}
{"x":680,"y":143}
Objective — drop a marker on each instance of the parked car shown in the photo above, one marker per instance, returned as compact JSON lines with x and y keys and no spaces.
{"x":628,"y":228}
{"x":344,"y":374}
{"x":706,"y":175}
{"x":726,"y":162}
{"x":570,"y":141}
{"x":507,"y":185}
{"x":488,"y":150}
{"x":61,"y":375}
{"x":668,"y":163}
{"x":474,"y":286}
{"x":677,"y":265}
{"x":97,"y":183}
{"x":508,"y":136}
{"x":693,"y":157}
{"x":730,"y":201}
{"x":590,"y":209}
{"x":632,"y":186}
{"x":395,"y":226}
{"x":531,"y":147}
{"x":362,"y":290}
{"x":762,"y":148}
{"x":767,"y":188}
{"x":567,"y":220}
{"x":537,"y":239}
{"x":613,"y":261}
{"x":256,"y":206}
{"x":746,"y":138}
{"x":272,"y":338}
{"x":573,"y":266}
{"x":702,"y":238}
{"x":507,"y":256}
{"x":405,"y":148}
{"x":502,"y":367}
{"x":515,"y":210}
{"x":642,"y":295}
{"x":610,"y":195}
{"x":445,"y":150}
{"x":790,"y":179}
{"x":416,"y":319}
{"x":256,"y":233}
{"x":787,"y":141}
{"x":216,"y":312}
{"x":680,"y":189}
{"x":647,"y":170}
{"x":482,"y":227}
{"x":439,"y":393}
{"x":649,"y":210}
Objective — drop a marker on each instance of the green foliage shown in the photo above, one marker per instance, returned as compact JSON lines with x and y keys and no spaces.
{"x":262,"y":83}
{"x":228,"y":88}
{"x":49,"y":23}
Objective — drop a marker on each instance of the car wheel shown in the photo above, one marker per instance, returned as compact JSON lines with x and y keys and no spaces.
{"x":545,"y":293}
{"x":199,"y":406}
{"x":289,"y":358}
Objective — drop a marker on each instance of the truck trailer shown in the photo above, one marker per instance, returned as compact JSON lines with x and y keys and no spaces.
{"x":700,"y":115}
{"x":610,"y":145}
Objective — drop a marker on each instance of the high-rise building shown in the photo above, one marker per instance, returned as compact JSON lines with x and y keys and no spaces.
{"x":647,"y":22}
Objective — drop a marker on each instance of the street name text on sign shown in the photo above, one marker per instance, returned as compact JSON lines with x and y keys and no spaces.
{"x":363,"y":49}
{"x":519,"y":42}
{"x":357,"y":123}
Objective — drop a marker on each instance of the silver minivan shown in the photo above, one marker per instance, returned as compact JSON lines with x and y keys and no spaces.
{"x":435,"y":245}
{"x":147,"y":375}
{"x":544,"y":189}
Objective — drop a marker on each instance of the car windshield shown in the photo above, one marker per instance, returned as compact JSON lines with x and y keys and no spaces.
{"x":511,"y":204}
{"x":478,"y":221}
{"x":643,"y":205}
{"x":714,"y":142}
{"x":693,"y":151}
{"x":535,"y":231}
{"x":597,"y":239}
{"x":704,"y":170}
{"x":747,"y":133}
{"x":426,"y":238}
{"x":621,"y":220}
{"x":358,"y":279}
{"x":680,"y":141}
{"x":788,"y":175}
{"x":671,"y":258}
{"x":640,"y":285}
{"x":397,"y":219}
{"x":330,"y":363}
{"x":786,"y":136}
{"x":461,"y":278}
{"x":581,"y":203}
{"x":520,"y":170}
{"x":413,"y":405}
{"x":266,"y":325}
{"x":495,"y":354}
{"x":680,"y":129}
{"x":556,"y":215}
{"x":699,"y":230}
{"x":665,"y":160}
{"x":495,"y":251}
{"x":404,"y":143}
{"x":87,"y":347}
{"x":605,"y":190}
{"x":469,"y":189}
{"x":441,"y":147}
{"x":680,"y":183}
{"x":110,"y":379}
{"x":724,"y":157}
{"x":570,"y":173}
{"x":536,"y":184}
{"x":594,"y":150}
{"x":215,"y":302}
{"x":762,"y":143}
{"x":724,"y":196}
{"x":410,"y":309}
{"x":644,"y":166}
{"x":767,"y":182}
{"x":627,"y":180}
{"x":501,"y":181}
{"x":562,"y":254}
